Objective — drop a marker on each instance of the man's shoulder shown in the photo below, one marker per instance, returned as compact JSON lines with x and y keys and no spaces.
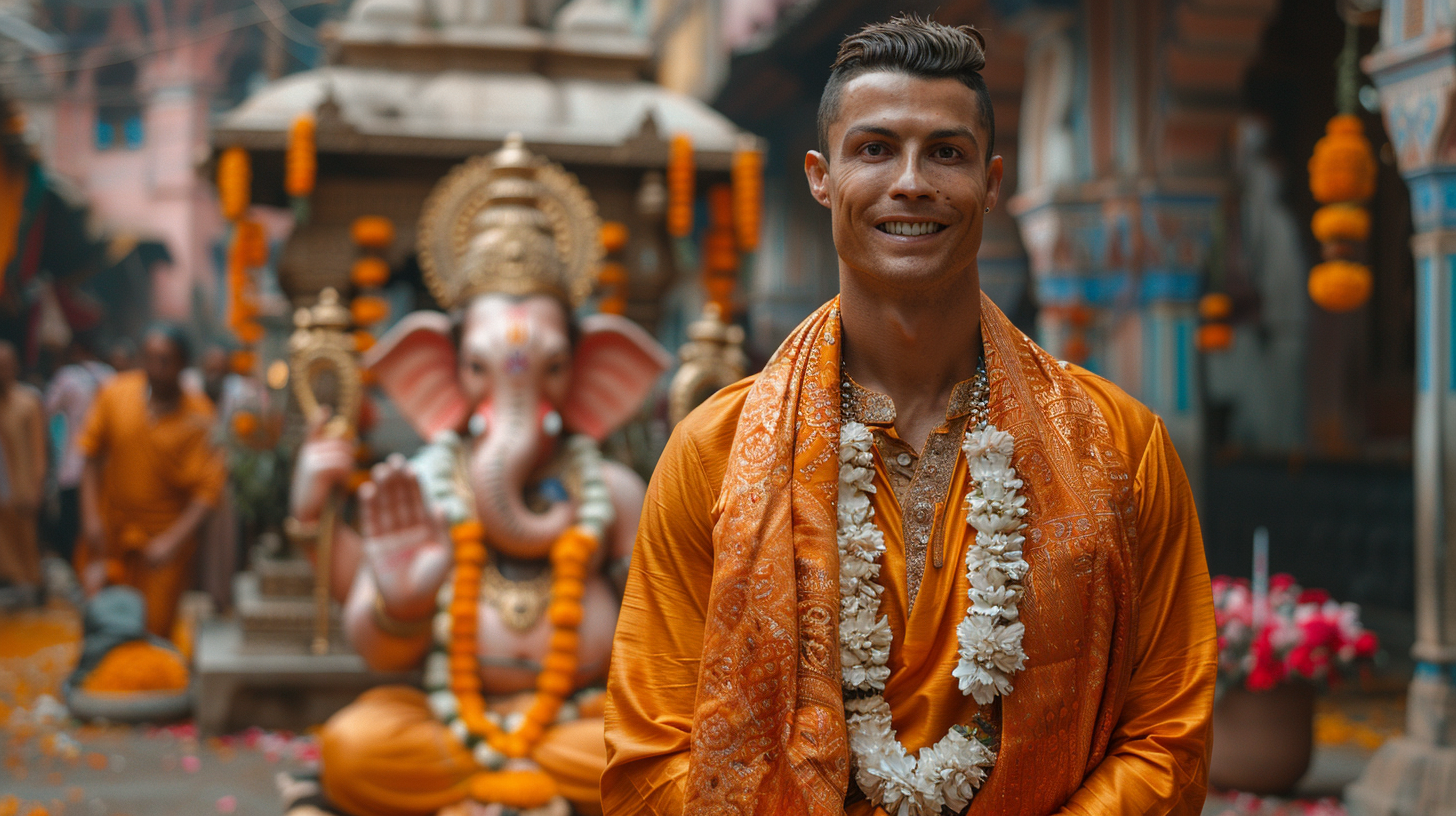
{"x":707,"y":432}
{"x":1131,"y":423}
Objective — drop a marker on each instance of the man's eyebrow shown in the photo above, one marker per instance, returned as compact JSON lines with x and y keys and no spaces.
{"x":945,"y":133}
{"x":956,"y":133}
{"x":878,"y":131}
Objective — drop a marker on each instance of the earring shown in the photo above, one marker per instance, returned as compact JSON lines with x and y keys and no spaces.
{"x":988,"y":209}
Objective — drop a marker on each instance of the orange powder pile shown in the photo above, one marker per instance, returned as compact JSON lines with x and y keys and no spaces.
{"x":138,"y":666}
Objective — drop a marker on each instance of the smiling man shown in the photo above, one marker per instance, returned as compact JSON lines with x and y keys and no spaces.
{"x":916,"y":565}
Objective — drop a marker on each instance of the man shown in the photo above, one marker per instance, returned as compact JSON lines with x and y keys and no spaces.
{"x":22,"y":475}
{"x":796,"y":635}
{"x":69,"y":396}
{"x":151,"y":476}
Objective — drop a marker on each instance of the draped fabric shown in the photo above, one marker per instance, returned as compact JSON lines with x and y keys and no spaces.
{"x":724,"y":694}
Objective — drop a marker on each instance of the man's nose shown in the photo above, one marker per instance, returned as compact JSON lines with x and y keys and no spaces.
{"x":910,"y":180}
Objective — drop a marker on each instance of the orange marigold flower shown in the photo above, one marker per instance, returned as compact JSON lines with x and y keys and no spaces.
{"x":373,"y":232}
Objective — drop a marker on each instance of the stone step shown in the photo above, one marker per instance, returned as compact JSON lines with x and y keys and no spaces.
{"x":283,"y":577}
{"x":274,"y":623}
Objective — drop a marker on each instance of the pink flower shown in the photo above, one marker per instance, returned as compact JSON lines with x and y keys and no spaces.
{"x":1264,"y":677}
{"x":1366,"y":644}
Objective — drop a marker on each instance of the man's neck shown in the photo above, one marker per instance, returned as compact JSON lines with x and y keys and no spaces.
{"x":912,"y":347}
{"x":163,"y":401}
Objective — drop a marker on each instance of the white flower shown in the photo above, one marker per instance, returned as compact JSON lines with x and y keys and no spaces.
{"x":444,"y":705}
{"x":437,"y":670}
{"x":946,"y":774}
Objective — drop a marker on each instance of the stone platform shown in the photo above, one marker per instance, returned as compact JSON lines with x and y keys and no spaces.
{"x":239,"y":687}
{"x":258,"y":668}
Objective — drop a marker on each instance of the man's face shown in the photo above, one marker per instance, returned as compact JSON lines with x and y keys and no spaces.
{"x":906,"y":178}
{"x":163,"y":364}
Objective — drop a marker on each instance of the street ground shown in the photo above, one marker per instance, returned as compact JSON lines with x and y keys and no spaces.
{"x":53,"y":766}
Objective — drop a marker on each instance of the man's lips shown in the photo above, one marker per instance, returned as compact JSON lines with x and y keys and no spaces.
{"x":909,"y":229}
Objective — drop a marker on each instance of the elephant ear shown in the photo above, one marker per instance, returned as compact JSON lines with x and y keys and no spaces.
{"x":614,"y":368}
{"x":415,"y":365}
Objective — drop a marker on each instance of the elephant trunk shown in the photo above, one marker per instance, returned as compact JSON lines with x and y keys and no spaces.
{"x":515,"y":442}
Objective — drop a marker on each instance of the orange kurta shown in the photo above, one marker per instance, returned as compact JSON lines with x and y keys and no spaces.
{"x":1155,"y":756}
{"x":151,"y":469}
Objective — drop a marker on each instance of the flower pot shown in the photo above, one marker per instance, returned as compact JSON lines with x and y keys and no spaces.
{"x":1262,"y":740}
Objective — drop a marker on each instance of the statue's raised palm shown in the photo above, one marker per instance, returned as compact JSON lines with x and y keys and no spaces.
{"x":405,"y":544}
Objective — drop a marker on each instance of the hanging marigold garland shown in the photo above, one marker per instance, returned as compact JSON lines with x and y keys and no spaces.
{"x":1342,"y":174}
{"x":720,"y":250}
{"x":300,"y":171}
{"x":373,"y":234}
{"x":612,"y":276}
{"x":1215,"y":334}
{"x":680,"y":179}
{"x":247,"y":251}
{"x":747,"y":194}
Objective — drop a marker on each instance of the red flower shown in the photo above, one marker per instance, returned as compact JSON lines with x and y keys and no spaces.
{"x":1265,"y":677}
{"x":1281,"y":582}
{"x":1314,"y":596}
{"x":1317,"y":632}
{"x":1366,"y":644}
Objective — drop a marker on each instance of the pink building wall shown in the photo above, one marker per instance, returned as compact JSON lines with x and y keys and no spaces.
{"x":153,"y":191}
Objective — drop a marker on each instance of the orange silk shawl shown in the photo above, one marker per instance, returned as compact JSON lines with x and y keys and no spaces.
{"x":768,"y":733}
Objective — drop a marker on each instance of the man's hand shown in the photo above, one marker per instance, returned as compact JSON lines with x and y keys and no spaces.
{"x":93,"y":578}
{"x":323,"y":464}
{"x":162,"y":548}
{"x":404,"y":544}
{"x":93,"y":536}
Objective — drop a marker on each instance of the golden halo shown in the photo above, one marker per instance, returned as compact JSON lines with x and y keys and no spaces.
{"x":447,"y":225}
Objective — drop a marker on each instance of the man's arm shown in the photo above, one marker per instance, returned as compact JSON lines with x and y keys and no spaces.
{"x":1157,"y":760}
{"x":653,"y":682}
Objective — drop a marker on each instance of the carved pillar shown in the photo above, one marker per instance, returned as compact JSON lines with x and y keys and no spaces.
{"x":1415,"y":70}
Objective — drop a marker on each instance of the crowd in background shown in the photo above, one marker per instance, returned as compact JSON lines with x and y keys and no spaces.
{"x":110,"y":469}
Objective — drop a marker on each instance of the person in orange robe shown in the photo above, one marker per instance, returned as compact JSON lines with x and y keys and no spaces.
{"x":22,"y":473}
{"x":725,"y":692}
{"x":152,"y":474}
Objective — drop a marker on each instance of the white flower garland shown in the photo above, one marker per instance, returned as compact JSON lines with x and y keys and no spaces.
{"x":946,"y":774}
{"x":595,"y":513}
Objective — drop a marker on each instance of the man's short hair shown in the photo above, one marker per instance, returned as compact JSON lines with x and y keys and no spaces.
{"x":915,"y":46}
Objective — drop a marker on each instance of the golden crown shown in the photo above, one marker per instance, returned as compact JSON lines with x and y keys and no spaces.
{"x":510,"y":222}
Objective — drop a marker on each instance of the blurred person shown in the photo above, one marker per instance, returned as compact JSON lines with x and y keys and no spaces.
{"x":22,"y":475}
{"x":68,"y":400}
{"x":795,"y":634}
{"x":215,"y":371}
{"x":151,"y":476}
{"x":122,"y":356}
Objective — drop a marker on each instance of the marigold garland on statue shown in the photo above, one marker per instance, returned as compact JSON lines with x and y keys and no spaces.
{"x":946,"y":774}
{"x":452,"y":673}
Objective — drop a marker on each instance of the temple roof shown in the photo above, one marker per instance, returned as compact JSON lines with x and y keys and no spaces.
{"x":399,"y":84}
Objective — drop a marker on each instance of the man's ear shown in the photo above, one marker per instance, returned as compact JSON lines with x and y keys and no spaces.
{"x":816,"y":167}
{"x":994,"y":170}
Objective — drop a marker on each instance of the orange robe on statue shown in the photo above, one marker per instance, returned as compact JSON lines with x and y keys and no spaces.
{"x":724,"y":692}
{"x":385,"y":754}
{"x":152,"y":468}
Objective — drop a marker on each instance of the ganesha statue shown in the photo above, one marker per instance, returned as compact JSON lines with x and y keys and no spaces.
{"x":492,"y":558}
